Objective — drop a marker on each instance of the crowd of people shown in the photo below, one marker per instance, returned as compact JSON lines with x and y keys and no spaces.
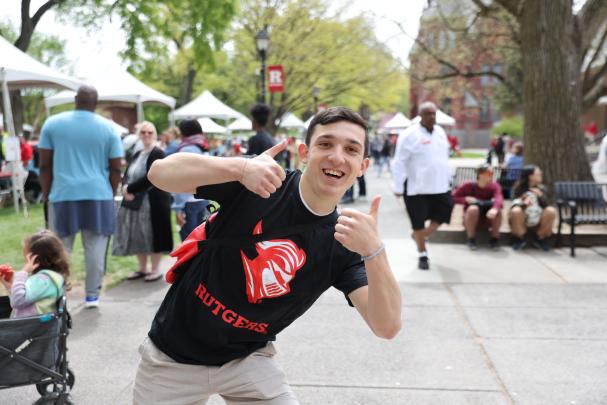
{"x":246,"y":271}
{"x":422,"y":176}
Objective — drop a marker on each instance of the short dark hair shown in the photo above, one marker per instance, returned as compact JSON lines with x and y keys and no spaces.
{"x":49,"y":251}
{"x":190,"y":127}
{"x":485,"y":167}
{"x":337,"y":114}
{"x":260,"y":113}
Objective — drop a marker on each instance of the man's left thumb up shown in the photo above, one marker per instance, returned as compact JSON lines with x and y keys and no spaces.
{"x":374,"y":209}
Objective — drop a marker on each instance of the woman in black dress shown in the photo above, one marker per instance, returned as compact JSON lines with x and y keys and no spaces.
{"x":144,"y":217}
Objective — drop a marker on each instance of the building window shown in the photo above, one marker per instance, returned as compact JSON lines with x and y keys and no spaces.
{"x":485,"y":113}
{"x":486,"y":80}
{"x":446,"y":105}
{"x":442,"y":40}
{"x":497,"y":68}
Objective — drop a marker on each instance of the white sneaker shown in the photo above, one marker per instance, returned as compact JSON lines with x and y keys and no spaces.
{"x":91,"y":302}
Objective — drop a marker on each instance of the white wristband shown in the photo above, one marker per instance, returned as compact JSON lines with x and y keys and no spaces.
{"x":376,"y":253}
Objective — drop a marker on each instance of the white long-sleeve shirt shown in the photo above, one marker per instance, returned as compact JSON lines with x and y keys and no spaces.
{"x":422,"y":159}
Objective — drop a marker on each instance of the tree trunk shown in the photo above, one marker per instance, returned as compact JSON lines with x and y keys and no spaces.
{"x":187,"y":88}
{"x":17,"y":109}
{"x":552,"y":91}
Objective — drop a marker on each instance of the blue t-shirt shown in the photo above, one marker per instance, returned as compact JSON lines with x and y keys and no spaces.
{"x":82,"y":143}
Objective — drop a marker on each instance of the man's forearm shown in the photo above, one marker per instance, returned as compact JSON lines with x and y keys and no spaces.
{"x":115,"y":177}
{"x":46,"y":178}
{"x":384,"y":302}
{"x":184,"y":172}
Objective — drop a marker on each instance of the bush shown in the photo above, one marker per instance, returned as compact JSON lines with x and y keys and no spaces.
{"x":513,"y":126}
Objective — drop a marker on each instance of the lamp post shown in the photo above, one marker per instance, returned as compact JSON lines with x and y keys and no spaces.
{"x":262,"y":41}
{"x":315,"y":95}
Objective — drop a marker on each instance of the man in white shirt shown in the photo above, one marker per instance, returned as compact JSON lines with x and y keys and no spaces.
{"x":422,"y":175}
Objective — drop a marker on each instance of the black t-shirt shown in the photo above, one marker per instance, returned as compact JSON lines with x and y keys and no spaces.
{"x":233,"y":299}
{"x":259,"y":143}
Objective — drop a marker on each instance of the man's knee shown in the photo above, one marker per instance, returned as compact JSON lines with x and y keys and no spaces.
{"x":473,"y":212}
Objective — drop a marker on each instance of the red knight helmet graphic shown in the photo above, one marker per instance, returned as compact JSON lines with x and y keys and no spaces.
{"x":269,"y":274}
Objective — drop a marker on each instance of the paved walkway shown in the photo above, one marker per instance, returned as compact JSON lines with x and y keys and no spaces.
{"x":479,"y":328}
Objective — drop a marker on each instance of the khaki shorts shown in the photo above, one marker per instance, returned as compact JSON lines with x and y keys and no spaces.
{"x":255,"y":379}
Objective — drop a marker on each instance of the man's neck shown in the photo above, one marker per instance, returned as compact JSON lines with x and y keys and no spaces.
{"x":318,"y":204}
{"x":428,"y":128}
{"x":85,"y":109}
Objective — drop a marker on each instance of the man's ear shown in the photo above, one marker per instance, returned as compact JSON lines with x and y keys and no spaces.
{"x":302,"y":152}
{"x":364,"y":166}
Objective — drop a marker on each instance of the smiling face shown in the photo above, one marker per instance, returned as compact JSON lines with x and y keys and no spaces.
{"x":147,"y":134}
{"x":334,"y":158}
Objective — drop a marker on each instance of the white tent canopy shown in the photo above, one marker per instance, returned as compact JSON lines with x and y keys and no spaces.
{"x":241,"y":124}
{"x":289,"y":120}
{"x":19,"y":70}
{"x":399,"y":121}
{"x":308,"y":121}
{"x":441,"y":119}
{"x":24,"y":71}
{"x":117,"y":86}
{"x":205,"y":105}
{"x":121,"y":130}
{"x":211,"y":127}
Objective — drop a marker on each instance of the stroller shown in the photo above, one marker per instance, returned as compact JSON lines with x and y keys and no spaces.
{"x":33,"y":350}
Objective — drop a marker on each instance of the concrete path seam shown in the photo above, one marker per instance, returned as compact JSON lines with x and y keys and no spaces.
{"x":538,"y":260}
{"x":389,"y":387}
{"x":546,"y":338}
{"x":478,"y":340}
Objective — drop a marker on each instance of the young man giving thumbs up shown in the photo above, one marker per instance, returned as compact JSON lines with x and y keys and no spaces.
{"x":276,"y":244}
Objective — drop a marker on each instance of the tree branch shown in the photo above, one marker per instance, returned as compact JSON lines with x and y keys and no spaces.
{"x":512,"y":6}
{"x":590,"y":98}
{"x":595,"y":80}
{"x":43,"y":9}
{"x":591,"y":18}
{"x":597,"y":52}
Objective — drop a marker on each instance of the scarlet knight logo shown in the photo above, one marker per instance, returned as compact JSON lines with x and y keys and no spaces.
{"x":269,"y":274}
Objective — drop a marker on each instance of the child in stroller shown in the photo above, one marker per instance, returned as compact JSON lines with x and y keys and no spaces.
{"x":33,"y":342}
{"x":35,"y":289}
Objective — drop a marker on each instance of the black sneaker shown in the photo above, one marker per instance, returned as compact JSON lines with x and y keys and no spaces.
{"x":518,"y":244}
{"x":472,"y":244}
{"x":494,"y":244}
{"x":541,"y":244}
{"x":423,"y":263}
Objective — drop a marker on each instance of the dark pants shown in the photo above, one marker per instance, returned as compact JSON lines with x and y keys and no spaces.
{"x":362,"y":190}
{"x":195,"y":212}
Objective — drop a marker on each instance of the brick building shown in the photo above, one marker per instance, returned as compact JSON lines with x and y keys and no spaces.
{"x":450,"y":31}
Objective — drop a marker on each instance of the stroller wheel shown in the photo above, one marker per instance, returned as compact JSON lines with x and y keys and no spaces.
{"x":71,"y":378}
{"x":44,"y":389}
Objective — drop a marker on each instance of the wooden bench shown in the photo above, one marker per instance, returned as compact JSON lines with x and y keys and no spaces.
{"x":580,"y":202}
{"x":505,"y":177}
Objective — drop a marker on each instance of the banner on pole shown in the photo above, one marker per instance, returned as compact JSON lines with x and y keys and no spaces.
{"x":276,"y":79}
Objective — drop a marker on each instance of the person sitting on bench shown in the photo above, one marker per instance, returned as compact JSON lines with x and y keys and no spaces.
{"x":483,"y":201}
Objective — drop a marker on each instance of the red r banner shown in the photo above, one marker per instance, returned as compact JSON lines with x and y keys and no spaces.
{"x":276,"y":79}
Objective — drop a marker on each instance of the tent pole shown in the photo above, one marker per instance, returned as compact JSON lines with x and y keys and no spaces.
{"x":15,"y":163}
{"x":140,"y":116}
{"x":171,"y":118}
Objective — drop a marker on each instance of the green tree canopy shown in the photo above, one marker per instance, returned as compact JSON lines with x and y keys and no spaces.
{"x":181,"y":32}
{"x":341,"y":56}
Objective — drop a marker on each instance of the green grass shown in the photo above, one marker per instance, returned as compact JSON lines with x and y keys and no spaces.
{"x":15,"y":227}
{"x":471,"y":155}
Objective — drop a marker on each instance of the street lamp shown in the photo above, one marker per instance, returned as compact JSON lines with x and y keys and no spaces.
{"x":315,"y":94}
{"x":262,"y":41}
